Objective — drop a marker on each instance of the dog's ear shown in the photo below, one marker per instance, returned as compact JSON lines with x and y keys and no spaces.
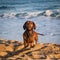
{"x":34,"y":25}
{"x":24,"y":26}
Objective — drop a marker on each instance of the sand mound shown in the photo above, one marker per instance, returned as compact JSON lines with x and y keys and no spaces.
{"x":14,"y":50}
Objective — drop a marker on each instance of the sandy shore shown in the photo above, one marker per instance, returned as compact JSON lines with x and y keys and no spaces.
{"x":14,"y":50}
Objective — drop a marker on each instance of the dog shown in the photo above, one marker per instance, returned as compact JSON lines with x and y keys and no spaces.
{"x":30,"y":36}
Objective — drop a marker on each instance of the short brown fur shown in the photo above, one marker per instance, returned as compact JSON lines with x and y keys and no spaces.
{"x":29,"y":35}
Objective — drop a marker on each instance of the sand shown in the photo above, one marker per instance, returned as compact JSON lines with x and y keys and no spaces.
{"x":14,"y":50}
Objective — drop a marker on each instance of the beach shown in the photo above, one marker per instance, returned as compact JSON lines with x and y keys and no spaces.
{"x":14,"y":50}
{"x":45,"y":14}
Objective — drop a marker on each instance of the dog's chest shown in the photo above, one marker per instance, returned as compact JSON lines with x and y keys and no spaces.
{"x":30,"y":36}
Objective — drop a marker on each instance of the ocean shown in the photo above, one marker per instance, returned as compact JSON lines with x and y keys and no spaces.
{"x":45,"y":14}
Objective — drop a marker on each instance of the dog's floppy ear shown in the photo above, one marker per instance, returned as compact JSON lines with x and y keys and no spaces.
{"x":24,"y":26}
{"x":34,"y":25}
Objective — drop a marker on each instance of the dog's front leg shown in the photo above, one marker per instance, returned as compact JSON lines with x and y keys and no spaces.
{"x":25,"y":44}
{"x":36,"y":39}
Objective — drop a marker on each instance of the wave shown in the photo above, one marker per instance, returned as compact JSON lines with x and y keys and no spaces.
{"x":48,"y":13}
{"x":5,"y":7}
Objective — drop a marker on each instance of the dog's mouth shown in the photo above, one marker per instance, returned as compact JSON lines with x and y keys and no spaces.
{"x":29,"y":28}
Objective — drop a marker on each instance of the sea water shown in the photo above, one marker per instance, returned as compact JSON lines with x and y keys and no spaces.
{"x":45,"y":14}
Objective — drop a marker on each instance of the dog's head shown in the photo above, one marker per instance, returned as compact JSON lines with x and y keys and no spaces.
{"x":29,"y":25}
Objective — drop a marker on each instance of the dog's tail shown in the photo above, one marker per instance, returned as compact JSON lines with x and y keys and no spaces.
{"x":40,"y":34}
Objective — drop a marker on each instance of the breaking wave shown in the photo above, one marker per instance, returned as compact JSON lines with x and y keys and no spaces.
{"x":48,"y":13}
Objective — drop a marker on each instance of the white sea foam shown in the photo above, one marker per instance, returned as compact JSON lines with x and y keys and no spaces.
{"x":9,"y":15}
{"x":48,"y":13}
{"x":32,"y":14}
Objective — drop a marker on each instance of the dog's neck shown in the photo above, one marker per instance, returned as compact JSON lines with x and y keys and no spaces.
{"x":29,"y":33}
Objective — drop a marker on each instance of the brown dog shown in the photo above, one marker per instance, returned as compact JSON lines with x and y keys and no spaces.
{"x":29,"y":35}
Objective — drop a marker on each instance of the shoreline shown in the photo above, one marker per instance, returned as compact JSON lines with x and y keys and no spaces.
{"x":14,"y":50}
